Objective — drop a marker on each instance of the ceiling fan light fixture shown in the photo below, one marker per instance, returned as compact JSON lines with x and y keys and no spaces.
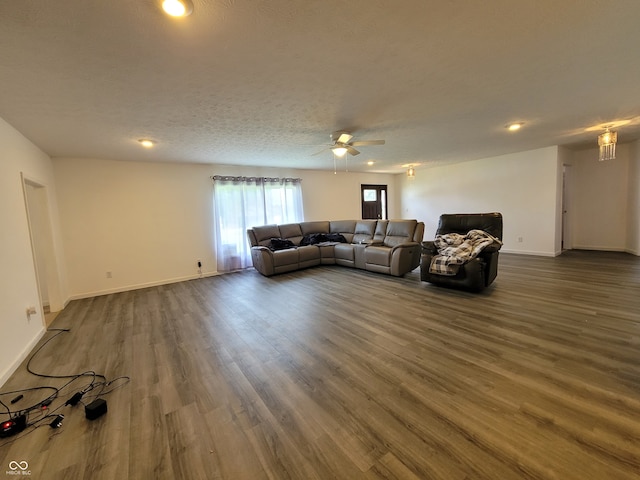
{"x":607,"y":143}
{"x":177,"y":8}
{"x":339,"y":151}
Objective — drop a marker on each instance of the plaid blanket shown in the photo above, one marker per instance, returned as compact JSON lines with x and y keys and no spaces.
{"x":455,"y":249}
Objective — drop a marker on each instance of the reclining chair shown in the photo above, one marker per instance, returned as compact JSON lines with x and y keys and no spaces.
{"x":478,"y":272}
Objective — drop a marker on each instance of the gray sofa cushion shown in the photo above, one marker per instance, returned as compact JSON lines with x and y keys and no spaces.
{"x":291,"y":231}
{"x":344,"y":251}
{"x":285,"y":257}
{"x":378,"y":256}
{"x":364,"y":231}
{"x":314,"y":227}
{"x":399,"y":231}
{"x":343,"y":227}
{"x":380,"y":231}
{"x":308,"y":256}
{"x":265,"y":233}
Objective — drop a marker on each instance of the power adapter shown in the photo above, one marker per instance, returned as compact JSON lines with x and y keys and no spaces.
{"x":74,"y":399}
{"x":13,"y":426}
{"x":95,"y":409}
{"x":57,"y":422}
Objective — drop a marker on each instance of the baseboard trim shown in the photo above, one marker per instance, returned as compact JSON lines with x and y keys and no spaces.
{"x":598,"y":249}
{"x":128,"y":288}
{"x":528,"y":252}
{"x":24,"y":354}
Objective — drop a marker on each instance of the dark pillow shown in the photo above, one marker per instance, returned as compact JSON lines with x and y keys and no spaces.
{"x":336,"y":237}
{"x":280,"y":244}
{"x":313,"y":239}
{"x":306,"y":240}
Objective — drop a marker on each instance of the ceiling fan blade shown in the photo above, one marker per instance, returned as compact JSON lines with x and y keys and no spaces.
{"x":352,"y":151}
{"x":321,"y":151}
{"x":368,"y":142}
{"x":344,"y":138}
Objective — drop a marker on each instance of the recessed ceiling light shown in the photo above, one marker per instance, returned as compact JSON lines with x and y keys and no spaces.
{"x":370,"y":162}
{"x":512,"y":127}
{"x":146,"y":143}
{"x":177,"y":8}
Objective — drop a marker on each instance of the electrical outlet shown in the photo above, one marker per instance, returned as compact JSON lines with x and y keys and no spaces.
{"x":109,"y":275}
{"x":199,"y":263}
{"x":519,"y":239}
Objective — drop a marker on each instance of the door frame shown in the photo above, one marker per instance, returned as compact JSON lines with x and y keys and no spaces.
{"x":382,"y":199}
{"x":36,"y":200}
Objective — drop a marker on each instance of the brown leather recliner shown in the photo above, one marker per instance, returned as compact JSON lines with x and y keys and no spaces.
{"x":477,"y":273}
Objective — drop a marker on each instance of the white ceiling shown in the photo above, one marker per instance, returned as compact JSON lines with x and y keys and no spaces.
{"x":259,"y":82}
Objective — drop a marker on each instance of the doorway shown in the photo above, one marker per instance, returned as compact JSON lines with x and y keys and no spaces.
{"x":565,"y":241}
{"x":44,"y":259}
{"x":374,"y":202}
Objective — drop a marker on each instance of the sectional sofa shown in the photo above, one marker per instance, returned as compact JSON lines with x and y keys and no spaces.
{"x":384,"y":246}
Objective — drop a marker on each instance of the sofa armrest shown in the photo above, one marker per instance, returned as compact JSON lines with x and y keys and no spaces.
{"x":262,"y":259}
{"x":494,"y":247}
{"x":405,"y":245}
{"x":429,"y":247}
{"x":404,"y":258}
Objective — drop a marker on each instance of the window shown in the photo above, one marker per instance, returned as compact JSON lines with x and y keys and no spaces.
{"x":244,"y":202}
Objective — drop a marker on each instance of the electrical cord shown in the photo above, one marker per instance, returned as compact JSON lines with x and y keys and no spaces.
{"x":102,"y":388}
{"x":47,"y":400}
{"x":43,"y":375}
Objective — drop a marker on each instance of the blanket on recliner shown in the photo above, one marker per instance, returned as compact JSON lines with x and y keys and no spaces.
{"x":455,"y":250}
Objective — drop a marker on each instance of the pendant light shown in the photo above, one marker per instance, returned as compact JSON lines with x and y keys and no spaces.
{"x":607,"y":143}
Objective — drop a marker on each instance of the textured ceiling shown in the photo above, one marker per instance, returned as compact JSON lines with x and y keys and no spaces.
{"x":260,"y":82}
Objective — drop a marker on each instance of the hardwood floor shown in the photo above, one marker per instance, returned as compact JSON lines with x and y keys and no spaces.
{"x":338,"y":373}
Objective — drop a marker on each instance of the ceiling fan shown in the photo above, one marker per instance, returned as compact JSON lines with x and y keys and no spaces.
{"x":342,"y":144}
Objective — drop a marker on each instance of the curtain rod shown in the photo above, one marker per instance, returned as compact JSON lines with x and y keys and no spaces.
{"x":232,"y":178}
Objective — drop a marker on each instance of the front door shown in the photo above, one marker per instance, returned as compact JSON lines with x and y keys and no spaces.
{"x":374,"y":202}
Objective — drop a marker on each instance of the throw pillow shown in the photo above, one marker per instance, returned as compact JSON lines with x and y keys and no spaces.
{"x":313,"y":239}
{"x":280,"y":244}
{"x":336,"y":237}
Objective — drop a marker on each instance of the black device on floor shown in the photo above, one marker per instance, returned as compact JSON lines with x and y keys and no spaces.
{"x":95,"y":409}
{"x":12,"y":426}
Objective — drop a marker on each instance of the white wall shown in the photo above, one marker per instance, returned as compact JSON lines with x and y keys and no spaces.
{"x":149,"y":223}
{"x":18,"y":285}
{"x":600,"y":200}
{"x":146,"y":223}
{"x":337,"y":197}
{"x":522,"y":186}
